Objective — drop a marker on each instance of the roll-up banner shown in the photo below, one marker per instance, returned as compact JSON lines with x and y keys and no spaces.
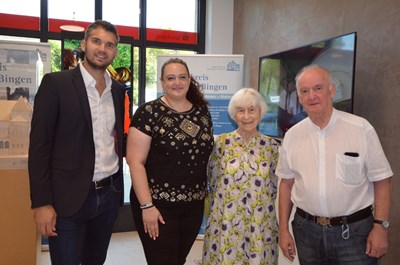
{"x":220,"y":76}
{"x":22,"y":66}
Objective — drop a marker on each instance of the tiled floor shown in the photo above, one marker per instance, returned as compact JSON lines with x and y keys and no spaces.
{"x":126,"y":249}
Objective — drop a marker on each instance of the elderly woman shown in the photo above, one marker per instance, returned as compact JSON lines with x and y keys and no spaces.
{"x":241,"y":225}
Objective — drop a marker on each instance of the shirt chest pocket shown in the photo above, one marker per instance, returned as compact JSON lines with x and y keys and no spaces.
{"x":349,"y":169}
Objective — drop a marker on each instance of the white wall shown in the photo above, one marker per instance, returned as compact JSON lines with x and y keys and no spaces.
{"x":219,"y":27}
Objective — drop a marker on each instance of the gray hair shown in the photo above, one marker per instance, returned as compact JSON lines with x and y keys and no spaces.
{"x":242,"y":97}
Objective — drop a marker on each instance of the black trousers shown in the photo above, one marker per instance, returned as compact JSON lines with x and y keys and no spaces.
{"x":176,"y":236}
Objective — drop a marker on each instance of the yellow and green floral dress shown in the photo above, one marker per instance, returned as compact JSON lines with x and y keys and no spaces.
{"x":241,"y":223}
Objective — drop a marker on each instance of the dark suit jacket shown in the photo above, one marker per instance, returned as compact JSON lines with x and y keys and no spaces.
{"x":62,"y":152}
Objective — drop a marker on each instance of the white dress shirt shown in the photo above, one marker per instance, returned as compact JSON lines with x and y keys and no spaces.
{"x":328,"y":182}
{"x":103,"y":121}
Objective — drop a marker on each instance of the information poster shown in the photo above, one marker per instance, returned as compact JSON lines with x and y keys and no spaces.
{"x":220,"y":76}
{"x":22,"y":66}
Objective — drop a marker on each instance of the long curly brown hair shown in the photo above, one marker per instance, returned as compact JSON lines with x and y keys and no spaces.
{"x":69,"y":60}
{"x":194,"y":95}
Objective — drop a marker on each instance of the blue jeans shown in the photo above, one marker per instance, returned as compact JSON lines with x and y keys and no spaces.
{"x":332,"y":245}
{"x":83,"y":238}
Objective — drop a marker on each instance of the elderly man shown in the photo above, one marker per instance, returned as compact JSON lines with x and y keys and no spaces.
{"x":333,"y":169}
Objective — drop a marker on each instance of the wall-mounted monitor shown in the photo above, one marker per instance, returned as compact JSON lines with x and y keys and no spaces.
{"x":277,"y":74}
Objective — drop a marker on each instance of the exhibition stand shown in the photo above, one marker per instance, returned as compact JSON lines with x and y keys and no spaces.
{"x":19,"y":242}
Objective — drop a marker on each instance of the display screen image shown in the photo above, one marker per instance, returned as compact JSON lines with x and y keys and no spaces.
{"x":277,"y":73}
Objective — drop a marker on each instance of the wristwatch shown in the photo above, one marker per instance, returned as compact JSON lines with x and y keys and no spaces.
{"x":384,"y":223}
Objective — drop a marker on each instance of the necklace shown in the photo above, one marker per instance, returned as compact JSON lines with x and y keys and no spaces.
{"x":181,"y":108}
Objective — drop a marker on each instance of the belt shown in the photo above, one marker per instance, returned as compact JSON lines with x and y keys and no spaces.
{"x":105,"y":182}
{"x":340,"y":220}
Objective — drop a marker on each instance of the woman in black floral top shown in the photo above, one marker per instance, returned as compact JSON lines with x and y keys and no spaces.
{"x":169,"y":144}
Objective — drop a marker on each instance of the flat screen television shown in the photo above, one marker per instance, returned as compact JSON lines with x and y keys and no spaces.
{"x":277,"y":74}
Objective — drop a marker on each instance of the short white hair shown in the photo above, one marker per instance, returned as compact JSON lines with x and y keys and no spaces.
{"x":315,"y":66}
{"x":242,"y":98}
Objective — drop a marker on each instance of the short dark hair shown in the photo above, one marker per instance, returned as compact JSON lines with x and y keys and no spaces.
{"x":107,"y":26}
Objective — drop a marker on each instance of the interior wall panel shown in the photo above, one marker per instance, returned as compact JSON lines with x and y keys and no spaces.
{"x":264,"y":27}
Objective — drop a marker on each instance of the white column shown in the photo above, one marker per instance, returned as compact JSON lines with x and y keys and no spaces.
{"x":219,"y":26}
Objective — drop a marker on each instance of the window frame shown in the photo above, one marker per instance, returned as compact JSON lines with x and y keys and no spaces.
{"x":38,"y":28}
{"x":21,"y":26}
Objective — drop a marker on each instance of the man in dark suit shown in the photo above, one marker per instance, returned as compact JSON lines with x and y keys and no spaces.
{"x":75,"y":153}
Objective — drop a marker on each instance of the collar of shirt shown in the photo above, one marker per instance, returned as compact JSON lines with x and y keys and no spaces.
{"x":330,"y":124}
{"x":90,"y":82}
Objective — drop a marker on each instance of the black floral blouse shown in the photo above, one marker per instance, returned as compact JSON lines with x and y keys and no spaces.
{"x":181,"y":144}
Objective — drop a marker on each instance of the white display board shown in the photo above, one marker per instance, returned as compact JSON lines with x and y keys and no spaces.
{"x":22,"y":66}
{"x":220,"y":76}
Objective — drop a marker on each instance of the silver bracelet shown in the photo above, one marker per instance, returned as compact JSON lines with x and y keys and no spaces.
{"x":147,"y":205}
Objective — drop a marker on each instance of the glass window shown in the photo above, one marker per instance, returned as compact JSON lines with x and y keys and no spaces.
{"x":122,"y":12}
{"x":22,"y":39}
{"x":22,"y":7}
{"x":127,"y":181}
{"x":22,"y":14}
{"x":55,"y":51}
{"x":75,"y":10}
{"x":135,"y":81}
{"x":179,"y":15}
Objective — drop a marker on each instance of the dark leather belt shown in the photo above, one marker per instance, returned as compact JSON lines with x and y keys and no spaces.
{"x":104,"y":182}
{"x":340,"y":220}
